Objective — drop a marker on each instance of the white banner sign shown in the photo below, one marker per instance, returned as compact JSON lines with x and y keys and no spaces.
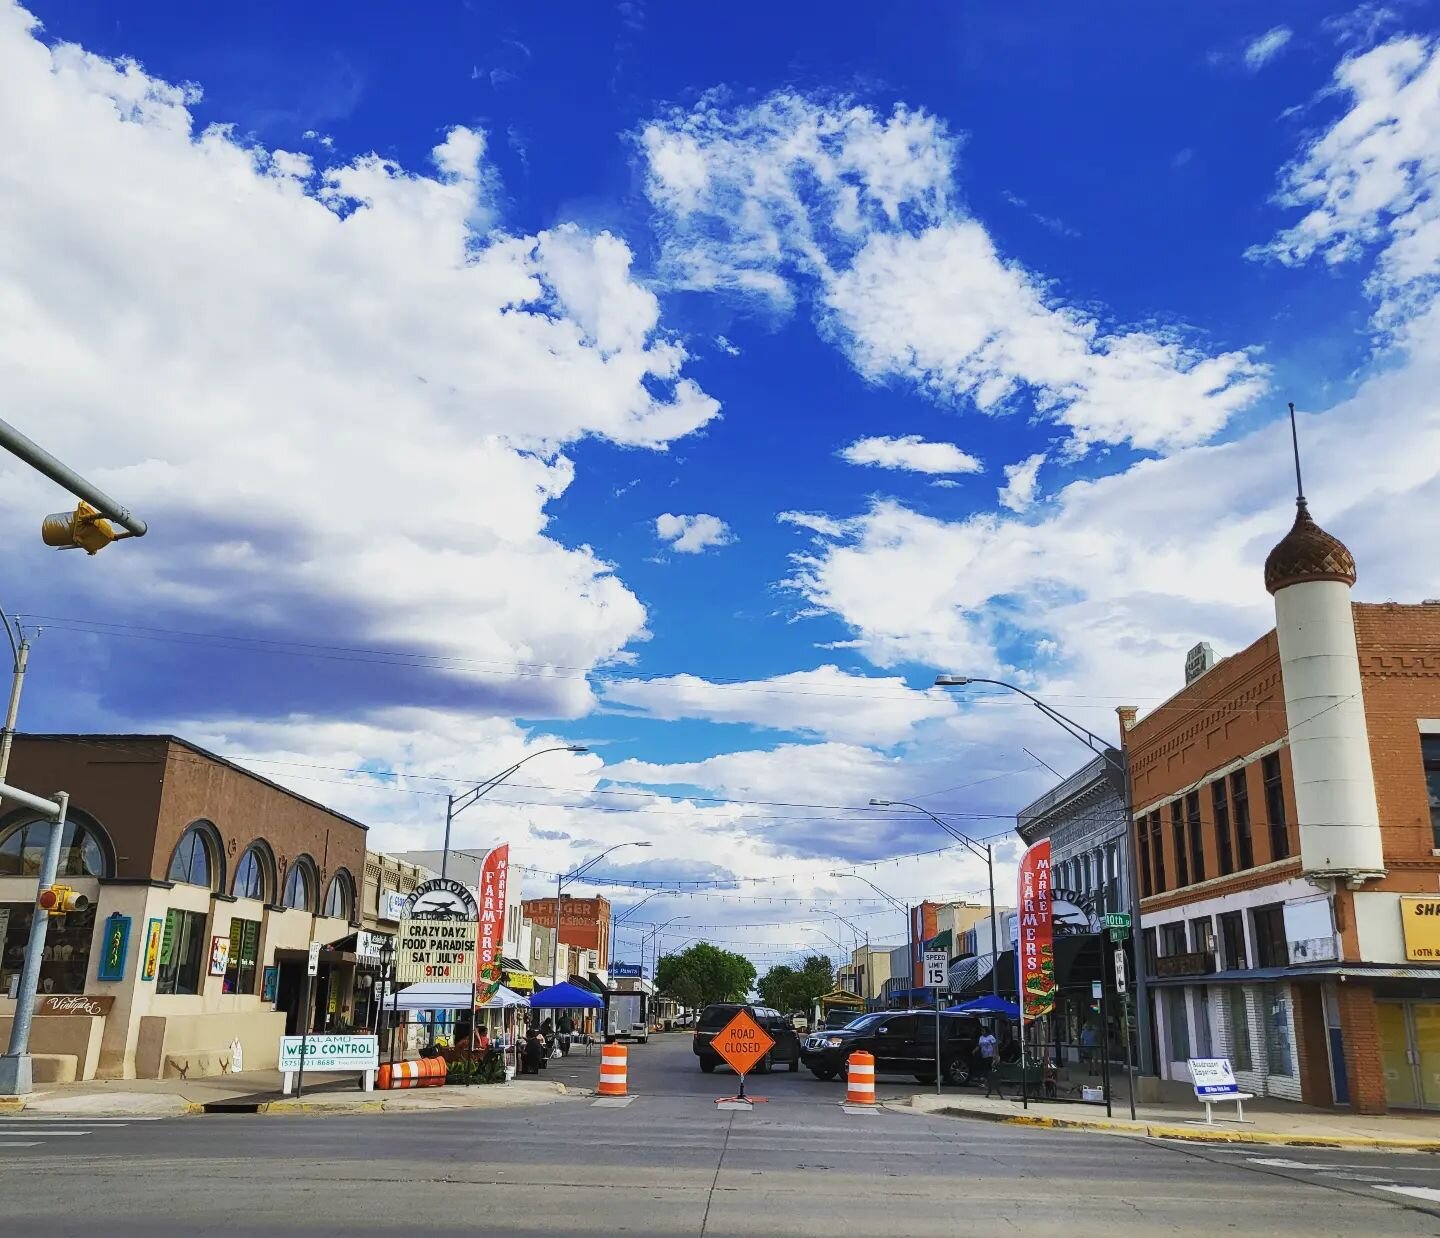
{"x":392,"y":904}
{"x":1212,"y":1076}
{"x":331,"y":1052}
{"x":367,"y":945}
{"x":435,"y":950}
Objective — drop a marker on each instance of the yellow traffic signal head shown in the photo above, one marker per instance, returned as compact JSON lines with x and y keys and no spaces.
{"x":56,"y":900}
{"x":84,"y":527}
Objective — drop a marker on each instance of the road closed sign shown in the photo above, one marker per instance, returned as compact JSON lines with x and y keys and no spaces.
{"x":742,"y":1042}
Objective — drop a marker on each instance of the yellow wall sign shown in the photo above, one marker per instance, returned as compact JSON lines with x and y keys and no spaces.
{"x":1420,"y":920}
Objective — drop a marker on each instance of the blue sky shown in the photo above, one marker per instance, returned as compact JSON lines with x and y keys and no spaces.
{"x":411,"y":334}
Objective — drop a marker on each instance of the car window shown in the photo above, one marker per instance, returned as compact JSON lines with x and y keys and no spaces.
{"x":713,"y":1018}
{"x":898,"y":1025}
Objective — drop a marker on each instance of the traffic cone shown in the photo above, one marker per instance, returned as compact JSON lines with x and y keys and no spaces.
{"x":860,"y":1078}
{"x":614,"y":1065}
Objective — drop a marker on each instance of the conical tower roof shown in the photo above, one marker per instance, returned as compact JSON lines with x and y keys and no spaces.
{"x":1307,"y":552}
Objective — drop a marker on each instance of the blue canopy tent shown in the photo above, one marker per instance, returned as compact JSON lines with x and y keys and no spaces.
{"x":566,"y":997}
{"x":987,"y":1005}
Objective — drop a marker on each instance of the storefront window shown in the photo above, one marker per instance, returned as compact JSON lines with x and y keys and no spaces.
{"x":182,"y":953}
{"x":195,"y":861}
{"x":66,"y":959}
{"x":1177,"y":1023}
{"x":299,"y":887}
{"x":1278,"y":1048}
{"x":252,"y":875}
{"x":338,"y":899}
{"x":22,"y":850}
{"x":244,"y":956}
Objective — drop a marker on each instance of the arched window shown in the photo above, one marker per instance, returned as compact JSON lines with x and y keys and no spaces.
{"x":196,"y":859}
{"x":300,"y":885}
{"x":340,"y":897}
{"x":84,"y":849}
{"x":254,"y":875}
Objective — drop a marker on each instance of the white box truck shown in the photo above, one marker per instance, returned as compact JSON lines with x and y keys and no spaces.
{"x":625,"y":1018}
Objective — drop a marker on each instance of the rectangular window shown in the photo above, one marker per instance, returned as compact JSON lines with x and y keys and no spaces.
{"x":1177,"y":836}
{"x":1202,"y":937}
{"x":182,"y":953}
{"x":1238,"y":1027}
{"x":1197,"y":840}
{"x":1240,"y":810}
{"x":66,"y":957}
{"x":1269,"y":926}
{"x":1275,"y":806}
{"x":1142,"y":835}
{"x":1220,"y":807}
{"x":1150,"y":950}
{"x":1279,"y":1051}
{"x":1172,"y":939}
{"x":1204,"y":1042}
{"x":1177,"y":1024}
{"x":1157,"y":849}
{"x":244,"y":956}
{"x":1430,"y":751}
{"x":1232,"y":941}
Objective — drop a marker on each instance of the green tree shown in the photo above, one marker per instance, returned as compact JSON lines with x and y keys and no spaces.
{"x":778,"y":987}
{"x":704,"y":974}
{"x":789,"y":988}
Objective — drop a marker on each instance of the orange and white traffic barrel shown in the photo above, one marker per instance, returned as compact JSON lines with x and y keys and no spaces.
{"x":614,"y":1065}
{"x":860,"y":1078}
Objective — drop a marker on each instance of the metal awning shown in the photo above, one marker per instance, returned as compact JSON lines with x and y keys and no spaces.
{"x":1346,"y":971}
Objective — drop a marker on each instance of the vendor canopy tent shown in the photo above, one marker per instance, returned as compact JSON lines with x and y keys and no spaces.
{"x":987,"y":1005}
{"x":565,"y":997}
{"x":449,"y":997}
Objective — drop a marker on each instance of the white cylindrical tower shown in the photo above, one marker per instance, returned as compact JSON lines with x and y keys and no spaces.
{"x":1310,"y":574}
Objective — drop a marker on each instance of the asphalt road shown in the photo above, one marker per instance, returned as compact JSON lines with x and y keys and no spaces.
{"x":670,"y":1163}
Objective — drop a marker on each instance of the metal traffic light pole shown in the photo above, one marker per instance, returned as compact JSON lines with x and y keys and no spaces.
{"x":42,"y":461}
{"x":15,"y":1076}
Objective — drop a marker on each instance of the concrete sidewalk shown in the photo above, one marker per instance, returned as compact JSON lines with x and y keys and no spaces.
{"x":259,"y":1092}
{"x":1271,"y":1122}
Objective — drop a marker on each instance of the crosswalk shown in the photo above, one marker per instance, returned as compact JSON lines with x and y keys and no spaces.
{"x":1396,"y":1175}
{"x":41,"y":1130}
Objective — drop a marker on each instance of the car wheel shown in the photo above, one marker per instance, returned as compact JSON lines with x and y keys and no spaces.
{"x":823,"y":1075}
{"x":957,"y":1072}
{"x":762,"y":1067}
{"x":707,"y":1067}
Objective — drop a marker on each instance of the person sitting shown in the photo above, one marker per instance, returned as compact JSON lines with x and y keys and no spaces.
{"x":534,"y":1052}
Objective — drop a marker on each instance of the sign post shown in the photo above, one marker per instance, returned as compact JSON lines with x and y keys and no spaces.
{"x":741,"y":1043}
{"x":312,"y":969}
{"x":1121,"y":988}
{"x":937,"y":972}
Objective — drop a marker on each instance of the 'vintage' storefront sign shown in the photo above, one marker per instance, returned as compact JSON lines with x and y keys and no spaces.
{"x":94,"y":1007}
{"x":1420,"y":922}
{"x":1036,"y":943}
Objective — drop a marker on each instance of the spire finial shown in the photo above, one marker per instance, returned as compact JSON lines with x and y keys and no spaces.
{"x":1295,"y":444}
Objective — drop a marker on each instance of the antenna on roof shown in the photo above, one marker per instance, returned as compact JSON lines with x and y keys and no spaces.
{"x":1295,"y":444}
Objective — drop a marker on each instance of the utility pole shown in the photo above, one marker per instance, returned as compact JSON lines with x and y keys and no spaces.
{"x":22,"y":660}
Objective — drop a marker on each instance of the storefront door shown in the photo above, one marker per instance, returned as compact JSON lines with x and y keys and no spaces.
{"x":1410,"y":1053}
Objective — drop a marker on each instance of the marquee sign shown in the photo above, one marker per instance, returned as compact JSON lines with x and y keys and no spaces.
{"x":441,"y":898}
{"x":437,"y":936}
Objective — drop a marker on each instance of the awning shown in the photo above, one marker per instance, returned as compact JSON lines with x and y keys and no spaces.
{"x":566,"y":997}
{"x":1348,"y":971}
{"x":516,"y":975}
{"x":980,"y":1007}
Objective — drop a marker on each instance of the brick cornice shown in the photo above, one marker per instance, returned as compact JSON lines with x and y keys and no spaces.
{"x":1243,"y":695}
{"x":1250,"y":879}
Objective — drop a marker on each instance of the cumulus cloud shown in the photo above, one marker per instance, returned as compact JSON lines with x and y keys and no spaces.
{"x":689,"y":535}
{"x":911,"y":453}
{"x":1021,"y":480}
{"x":826,"y":702}
{"x":314,"y":380}
{"x":859,"y":211}
{"x":1262,"y":50}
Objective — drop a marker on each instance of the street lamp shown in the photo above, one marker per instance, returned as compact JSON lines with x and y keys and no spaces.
{"x":1122,"y":767}
{"x":561,"y":881}
{"x":387,"y":973}
{"x":456,"y":804}
{"x":617,"y":921}
{"x":20,"y":659}
{"x":986,"y":853}
{"x":655,"y":934}
{"x":909,"y":933}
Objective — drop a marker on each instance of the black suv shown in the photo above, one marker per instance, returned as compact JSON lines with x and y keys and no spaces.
{"x":713,"y":1020}
{"x":903,"y":1043}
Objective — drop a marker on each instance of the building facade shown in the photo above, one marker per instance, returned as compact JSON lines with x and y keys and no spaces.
{"x":207,"y":884}
{"x":1287,"y":826}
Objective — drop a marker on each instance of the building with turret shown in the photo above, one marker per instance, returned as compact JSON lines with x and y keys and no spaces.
{"x":1287,"y":842}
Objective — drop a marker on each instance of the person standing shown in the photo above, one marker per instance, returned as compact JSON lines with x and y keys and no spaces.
{"x":988,"y":1049}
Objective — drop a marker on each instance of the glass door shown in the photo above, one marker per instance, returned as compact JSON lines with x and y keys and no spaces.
{"x":1400,"y":1090}
{"x":1425,"y":1021}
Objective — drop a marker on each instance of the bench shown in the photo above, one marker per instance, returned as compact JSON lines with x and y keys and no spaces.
{"x":1225,"y":1098}
{"x":1032,"y":1080}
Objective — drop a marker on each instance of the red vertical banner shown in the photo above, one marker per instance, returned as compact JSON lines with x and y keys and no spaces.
{"x":490,"y":895}
{"x":1036,"y":939}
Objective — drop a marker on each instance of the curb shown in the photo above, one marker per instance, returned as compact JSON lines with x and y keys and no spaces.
{"x":1193,"y":1134}
{"x":11,"y":1104}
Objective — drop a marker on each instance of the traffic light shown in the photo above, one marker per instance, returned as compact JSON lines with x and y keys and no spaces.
{"x":84,"y":527}
{"x":57,"y":900}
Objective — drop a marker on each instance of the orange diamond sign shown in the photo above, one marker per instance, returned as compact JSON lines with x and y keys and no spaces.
{"x":742,"y":1043}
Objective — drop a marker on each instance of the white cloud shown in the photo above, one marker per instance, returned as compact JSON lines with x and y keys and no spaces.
{"x":1371,"y":182}
{"x":1021,"y":480}
{"x":827,"y":702}
{"x":1261,"y":51}
{"x":689,"y":535}
{"x":911,"y":453}
{"x":860,"y":212}
{"x":315,"y":382}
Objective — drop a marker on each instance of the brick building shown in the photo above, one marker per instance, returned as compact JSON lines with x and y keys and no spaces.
{"x":206,"y":884}
{"x":1287,"y":814}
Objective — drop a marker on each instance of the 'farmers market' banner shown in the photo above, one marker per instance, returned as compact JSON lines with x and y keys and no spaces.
{"x":1036,"y":953}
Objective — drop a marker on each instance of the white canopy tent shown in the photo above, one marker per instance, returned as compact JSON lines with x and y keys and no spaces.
{"x":448,"y":997}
